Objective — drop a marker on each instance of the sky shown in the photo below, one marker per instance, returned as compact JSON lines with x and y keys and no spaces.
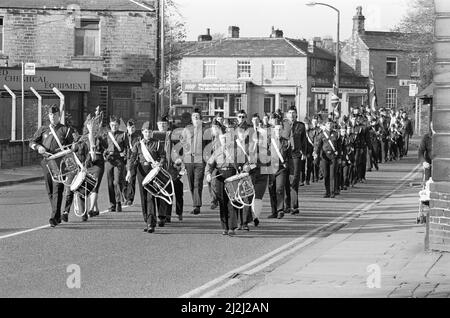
{"x":255,"y":18}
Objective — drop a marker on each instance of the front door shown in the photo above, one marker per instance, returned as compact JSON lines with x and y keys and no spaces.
{"x":219,"y":106}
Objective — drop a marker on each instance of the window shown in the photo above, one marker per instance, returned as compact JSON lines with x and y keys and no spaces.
{"x":279,"y":69}
{"x":235,"y":105}
{"x":391,"y":98}
{"x":415,"y":67}
{"x":244,"y":69}
{"x":87,"y":38}
{"x":391,"y":66}
{"x":1,"y":34}
{"x":202,"y":101}
{"x":209,"y":69}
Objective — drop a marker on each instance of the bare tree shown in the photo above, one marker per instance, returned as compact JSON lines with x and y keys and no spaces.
{"x":418,"y":28}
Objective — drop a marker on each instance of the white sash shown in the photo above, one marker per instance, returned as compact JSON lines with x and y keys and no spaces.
{"x":277,"y":150}
{"x":56,"y":137}
{"x":329,"y":141}
{"x":309,"y":139}
{"x":111,"y":136}
{"x":148,"y":157}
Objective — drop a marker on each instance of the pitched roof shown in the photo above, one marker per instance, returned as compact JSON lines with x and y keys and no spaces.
{"x":100,"y":5}
{"x":396,"y":41}
{"x":246,"y":47}
{"x":319,"y":52}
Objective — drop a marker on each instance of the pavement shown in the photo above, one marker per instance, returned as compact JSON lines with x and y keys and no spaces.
{"x":363,"y":244}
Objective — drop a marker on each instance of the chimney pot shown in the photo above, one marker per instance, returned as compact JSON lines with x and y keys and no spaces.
{"x":233,"y":32}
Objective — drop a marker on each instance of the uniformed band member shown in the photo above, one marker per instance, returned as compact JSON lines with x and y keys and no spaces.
{"x":327,"y":145}
{"x":132,"y":137}
{"x":173,"y":165}
{"x":45,"y":141}
{"x":139,"y":158}
{"x":115,"y":156}
{"x":296,"y":134}
{"x":279,"y":151}
{"x":225,"y":163}
{"x":309,"y":163}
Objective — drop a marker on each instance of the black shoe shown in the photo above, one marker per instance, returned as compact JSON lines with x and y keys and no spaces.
{"x":168,"y":220}
{"x":213,"y":206}
{"x":129,"y":203}
{"x":363,"y":180}
{"x":225,"y":233}
{"x":52,"y":223}
{"x":240,"y":228}
{"x":333,"y":196}
{"x":65,"y":217}
{"x":246,"y":228}
{"x":119,"y":207}
{"x":161,"y":223}
{"x":369,"y":170}
{"x":180,"y":217}
{"x":196,"y":211}
{"x":256,"y":222}
{"x":84,"y":218}
{"x":272,"y":216}
{"x":95,"y":213}
{"x":150,"y":229}
{"x":307,"y":183}
{"x":295,"y":211}
{"x":344,"y":188}
{"x":112,"y":208}
{"x":326,"y":195}
{"x":231,"y":232}
{"x":302,"y":184}
{"x":146,"y":230}
{"x":280,"y":215}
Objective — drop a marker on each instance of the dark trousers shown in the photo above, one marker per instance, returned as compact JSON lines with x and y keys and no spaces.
{"x":114,"y":174}
{"x":360,"y":161}
{"x":54,"y":191}
{"x":149,"y":203}
{"x":295,"y":165}
{"x":405,"y":144}
{"x":372,"y":157}
{"x":129,"y":188}
{"x":338,"y":178}
{"x":228,"y":213}
{"x":393,"y":150}
{"x":195,"y":174}
{"x":178,"y":189}
{"x":277,"y":184}
{"x":302,"y":171}
{"x":328,"y":167}
{"x":310,"y":169}
{"x":384,"y":154}
{"x":316,"y":170}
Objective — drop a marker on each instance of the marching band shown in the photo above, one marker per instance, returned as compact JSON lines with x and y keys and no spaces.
{"x":239,"y":162}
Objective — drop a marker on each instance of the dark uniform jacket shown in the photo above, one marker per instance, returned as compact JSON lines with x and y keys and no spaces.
{"x":408,"y":127}
{"x":296,"y":134}
{"x":137,"y":157}
{"x":349,"y":151}
{"x":426,"y":148}
{"x":112,"y":153}
{"x":362,"y":136}
{"x":323,"y":144}
{"x":311,"y":136}
{"x":44,"y":137}
{"x":131,"y":140}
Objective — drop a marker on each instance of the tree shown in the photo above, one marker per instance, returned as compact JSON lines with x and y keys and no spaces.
{"x":418,"y":28}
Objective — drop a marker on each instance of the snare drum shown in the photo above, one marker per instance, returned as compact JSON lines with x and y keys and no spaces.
{"x":61,"y":165}
{"x":156,"y":183}
{"x":84,"y":183}
{"x":239,"y":188}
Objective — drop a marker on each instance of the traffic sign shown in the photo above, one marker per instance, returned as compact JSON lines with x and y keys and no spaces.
{"x":30,"y":69}
{"x":413,"y":90}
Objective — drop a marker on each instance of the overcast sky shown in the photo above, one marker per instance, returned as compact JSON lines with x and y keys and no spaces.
{"x":255,"y":18}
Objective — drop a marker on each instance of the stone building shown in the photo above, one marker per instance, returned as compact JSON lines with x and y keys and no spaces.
{"x":99,"y":52}
{"x":263,"y":75}
{"x":395,"y":62}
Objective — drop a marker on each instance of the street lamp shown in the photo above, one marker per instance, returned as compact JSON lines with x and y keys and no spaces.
{"x":311,"y":4}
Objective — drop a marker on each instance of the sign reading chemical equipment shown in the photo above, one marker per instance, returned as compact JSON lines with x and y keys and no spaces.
{"x":231,"y":88}
{"x":45,"y":79}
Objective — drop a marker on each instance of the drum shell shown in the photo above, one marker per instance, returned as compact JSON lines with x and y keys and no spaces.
{"x":87,"y":185}
{"x":159,"y":182}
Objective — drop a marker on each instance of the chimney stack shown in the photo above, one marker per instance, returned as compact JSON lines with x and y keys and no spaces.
{"x":205,"y":37}
{"x":233,"y":32}
{"x":358,"y":22}
{"x":276,"y":33}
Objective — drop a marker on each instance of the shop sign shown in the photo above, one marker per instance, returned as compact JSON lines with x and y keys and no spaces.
{"x":234,"y":88}
{"x":46,"y":80}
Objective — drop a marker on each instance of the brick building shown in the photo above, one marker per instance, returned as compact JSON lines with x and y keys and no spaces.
{"x":112,"y":41}
{"x":395,"y":62}
{"x":262,"y":75}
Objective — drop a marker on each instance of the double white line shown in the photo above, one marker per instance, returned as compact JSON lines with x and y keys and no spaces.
{"x":232,"y":277}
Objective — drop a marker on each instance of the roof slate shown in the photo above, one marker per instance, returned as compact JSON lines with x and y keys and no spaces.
{"x":388,"y":40}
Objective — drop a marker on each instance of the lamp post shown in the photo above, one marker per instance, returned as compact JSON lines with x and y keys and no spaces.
{"x":337,"y":73}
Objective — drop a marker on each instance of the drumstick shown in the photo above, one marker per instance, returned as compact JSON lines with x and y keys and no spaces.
{"x":242,"y":147}
{"x":277,"y":150}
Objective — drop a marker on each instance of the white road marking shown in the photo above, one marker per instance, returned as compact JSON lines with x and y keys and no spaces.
{"x":285,"y":250}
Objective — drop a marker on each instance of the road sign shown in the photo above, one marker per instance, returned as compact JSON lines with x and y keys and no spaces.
{"x":413,"y":90}
{"x":30,"y":69}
